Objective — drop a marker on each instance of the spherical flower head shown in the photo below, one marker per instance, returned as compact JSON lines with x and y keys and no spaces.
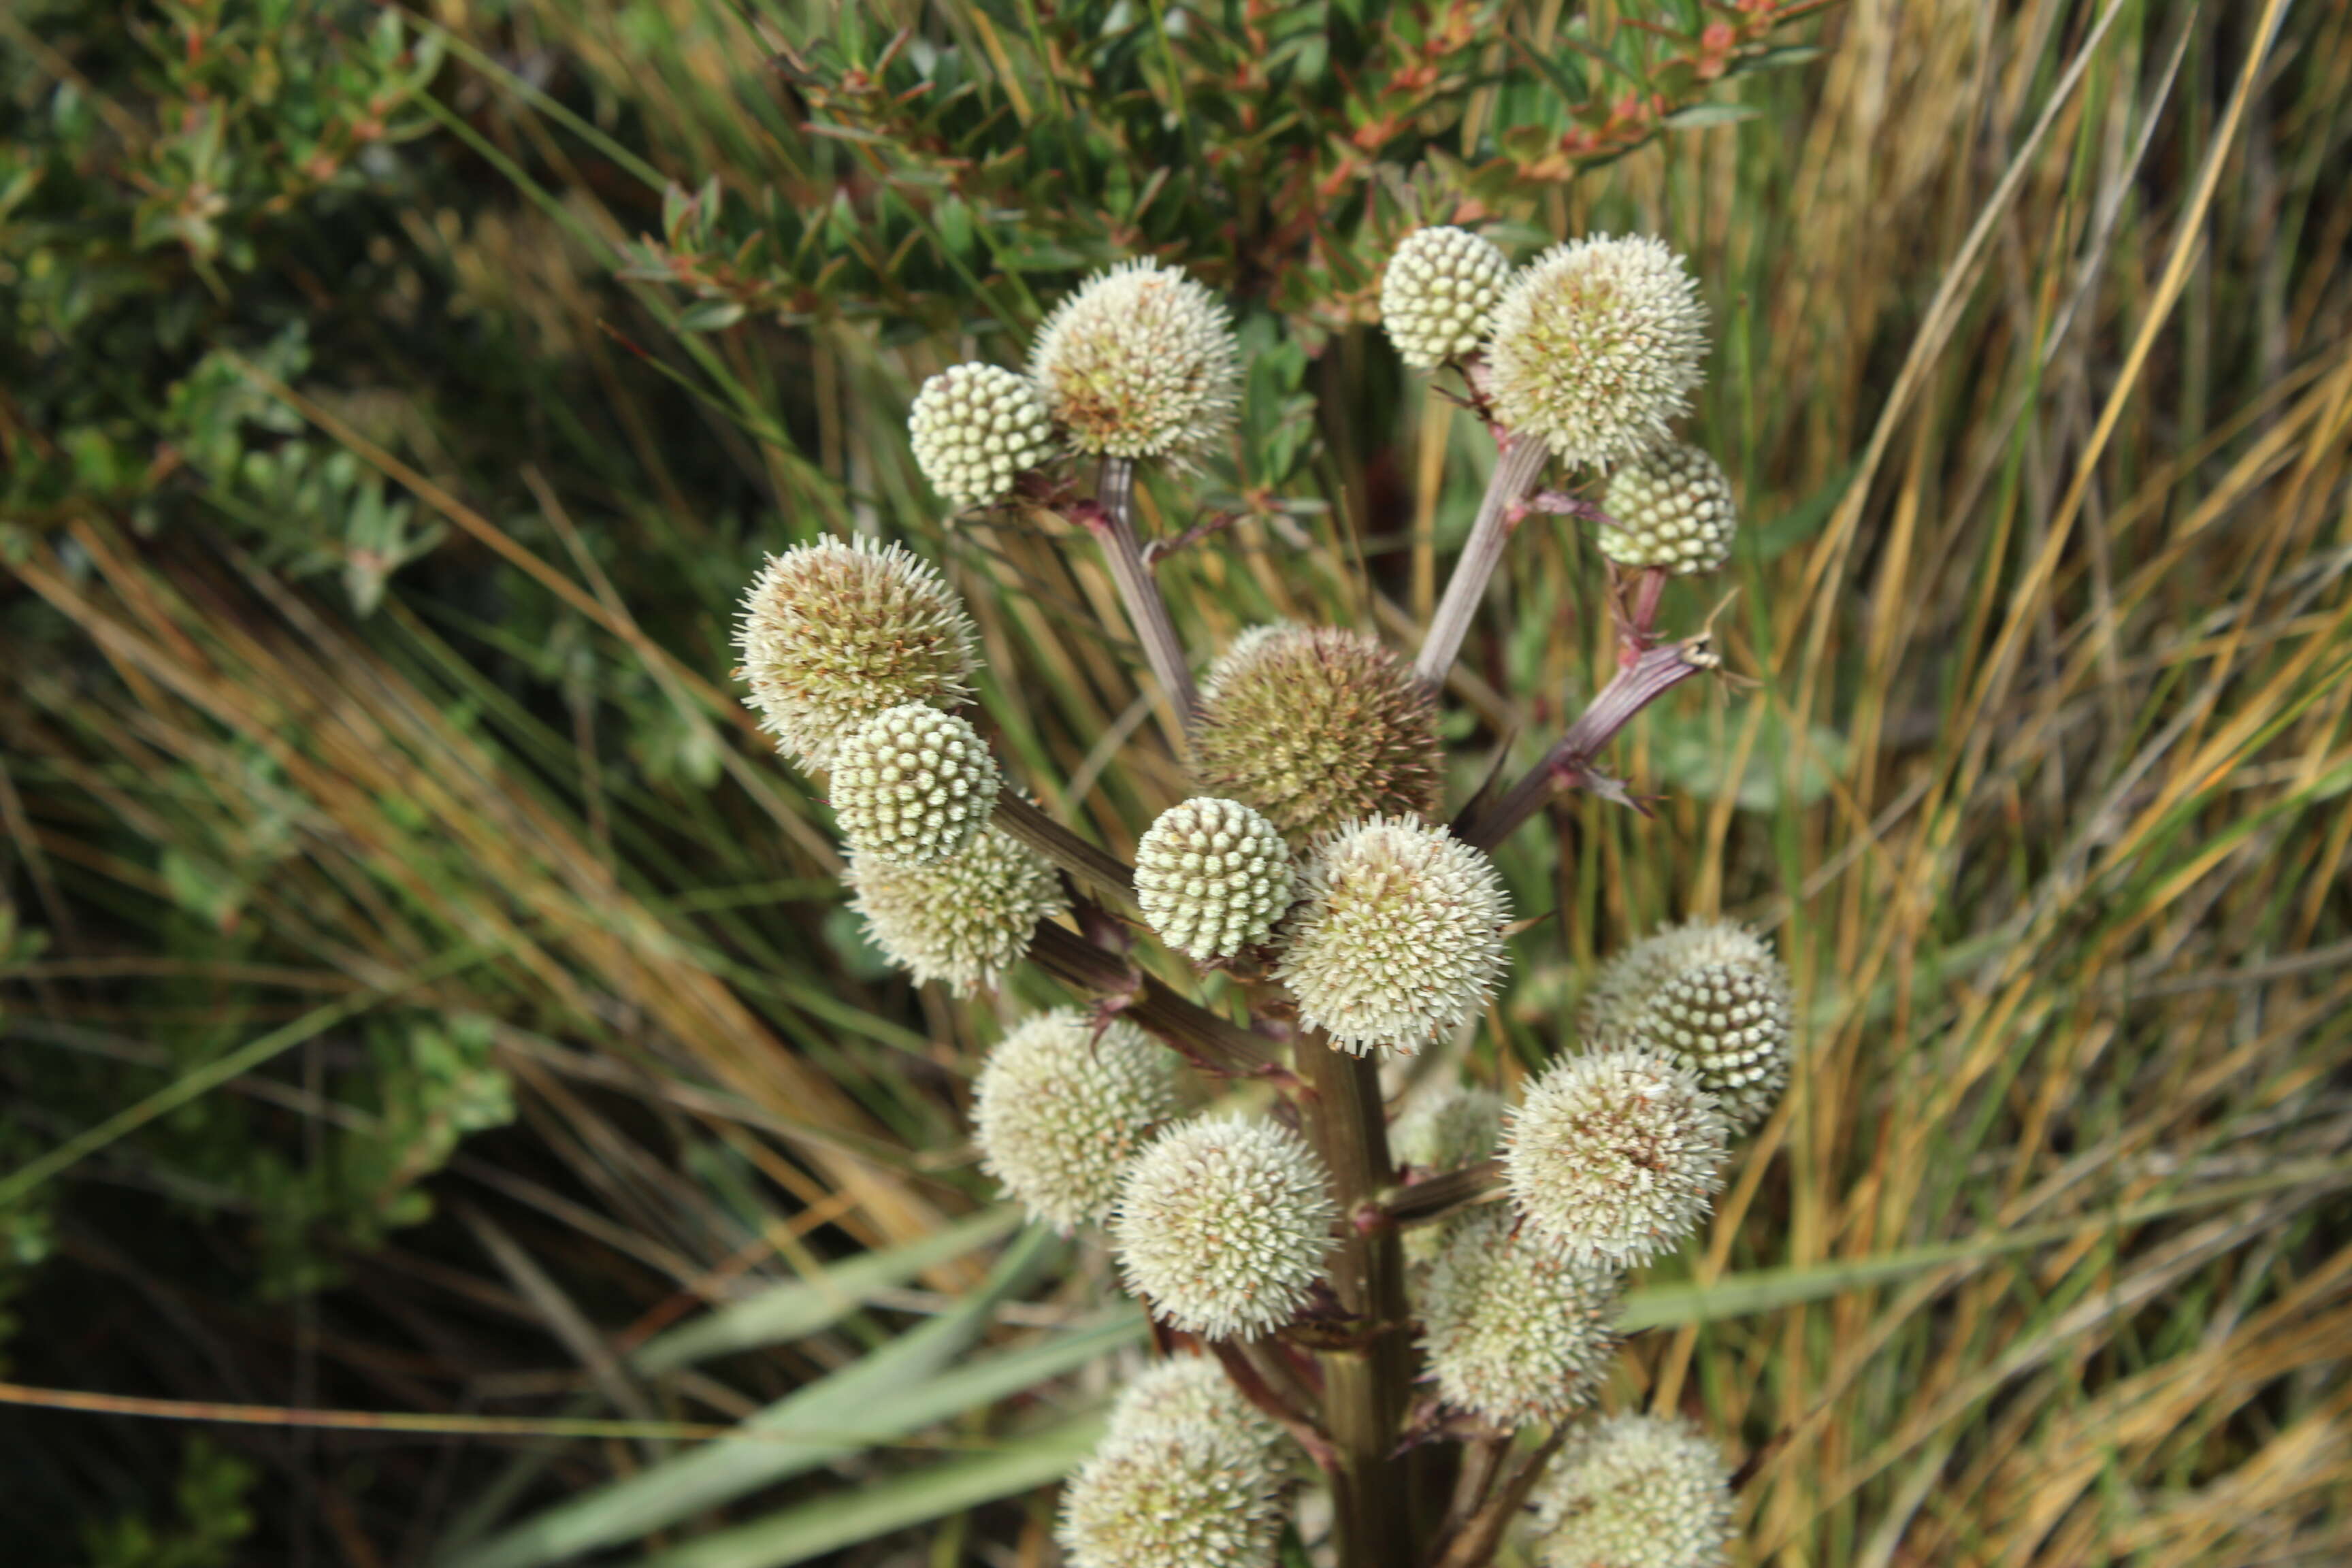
{"x":1398,"y":937}
{"x":912,"y":784}
{"x":1713,"y":993}
{"x":1513,"y":1330}
{"x":1635,"y":1492}
{"x":832,"y":633}
{"x":976,"y":429}
{"x":1316,"y":728}
{"x":1212,"y":876}
{"x":1189,"y":1390}
{"x":1672,"y":508}
{"x":1596,"y":346}
{"x":1139,"y":362}
{"x":963,"y":920}
{"x":1059,"y":1109}
{"x":1188,"y":1495}
{"x":1439,"y":296}
{"x":1614,"y":1156}
{"x":1222,"y":1226}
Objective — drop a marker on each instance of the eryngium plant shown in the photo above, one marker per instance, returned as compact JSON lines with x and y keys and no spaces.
{"x":1315,"y":887}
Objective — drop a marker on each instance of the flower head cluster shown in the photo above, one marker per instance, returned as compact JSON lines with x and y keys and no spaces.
{"x":1711,"y":993}
{"x":1316,"y":728}
{"x":1512,"y":1330}
{"x":1596,"y":347}
{"x":1222,"y":1225}
{"x":975,"y":428}
{"x":1439,"y":296}
{"x":912,"y":784}
{"x":1635,"y":1492}
{"x":1189,"y":1390}
{"x":1672,"y":508}
{"x":1398,"y":937}
{"x":1060,"y":1108}
{"x":832,"y":633}
{"x":1212,"y":876}
{"x":1183,"y":1496}
{"x":964,"y":919}
{"x":1614,"y":1156}
{"x":1139,"y":362}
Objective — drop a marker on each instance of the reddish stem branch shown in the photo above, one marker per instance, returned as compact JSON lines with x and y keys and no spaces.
{"x":1210,"y":1041}
{"x":1112,"y":523}
{"x":1094,"y":867}
{"x":1517,"y":466}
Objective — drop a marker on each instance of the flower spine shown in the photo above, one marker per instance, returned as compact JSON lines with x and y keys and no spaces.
{"x":976,"y":429}
{"x":1596,"y":347}
{"x":1316,"y":728}
{"x":1398,"y":937}
{"x":963,"y":920}
{"x":1438,"y":298}
{"x":1139,"y":362}
{"x":1713,"y":993}
{"x":1614,"y":1156}
{"x":913,"y":785}
{"x":1059,"y":1109}
{"x":1189,"y":1390}
{"x":832,"y":633}
{"x":1635,"y":1492}
{"x":1222,"y":1226}
{"x":1183,"y":1495}
{"x":1672,"y":508}
{"x":1212,"y":876}
{"x":1512,"y":1331}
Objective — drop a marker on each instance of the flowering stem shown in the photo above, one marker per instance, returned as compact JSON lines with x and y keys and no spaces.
{"x":1210,"y":1041}
{"x":1366,"y":1385}
{"x":1097,"y":869}
{"x":1442,"y":1196}
{"x":1516,"y":467}
{"x":1112,"y":523}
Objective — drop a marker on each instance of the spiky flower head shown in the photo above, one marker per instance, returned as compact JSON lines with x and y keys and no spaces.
{"x":1440,"y":293}
{"x":1398,"y":937}
{"x":1513,"y":1330}
{"x":964,"y":919}
{"x":976,"y":427}
{"x":1189,"y":1390}
{"x":1186,"y":1496}
{"x":1673,"y":508}
{"x":1614,"y":1156}
{"x":1139,"y":362}
{"x":1222,"y":1226}
{"x":1635,"y":1492}
{"x":1712,"y":993}
{"x":1441,"y":1132}
{"x":832,"y":633}
{"x":1597,"y":345}
{"x":1212,"y":876}
{"x":912,"y":784}
{"x":1059,"y":1109}
{"x":1316,"y":728}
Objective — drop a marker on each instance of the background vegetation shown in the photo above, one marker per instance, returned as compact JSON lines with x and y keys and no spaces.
{"x":425,"y":997}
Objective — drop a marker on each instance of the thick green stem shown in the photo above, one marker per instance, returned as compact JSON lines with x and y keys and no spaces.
{"x":1366,"y":1385}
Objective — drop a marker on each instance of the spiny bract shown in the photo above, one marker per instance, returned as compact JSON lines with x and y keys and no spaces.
{"x":1614,"y":1156}
{"x":1185,"y":1495}
{"x":832,"y":633}
{"x":1139,"y":362}
{"x":1183,"y":1390}
{"x":912,"y":784}
{"x":964,"y":919}
{"x":976,"y":429}
{"x":1398,"y":937}
{"x":1712,"y":993}
{"x":1635,"y":1492}
{"x":1596,"y":347}
{"x":1059,"y":1109}
{"x":1672,"y":508}
{"x":1222,"y":1226}
{"x":1439,"y":295}
{"x":1212,"y":876}
{"x":1316,"y":728}
{"x":1513,"y":1330}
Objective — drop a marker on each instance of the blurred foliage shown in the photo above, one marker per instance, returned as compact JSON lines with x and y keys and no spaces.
{"x":213,"y":1519}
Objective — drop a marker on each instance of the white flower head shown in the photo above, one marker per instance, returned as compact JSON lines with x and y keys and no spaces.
{"x":1183,"y":1495}
{"x":963,"y":920}
{"x":1212,"y":876}
{"x":1438,"y":296}
{"x":1597,"y":346}
{"x":1614,"y":1156}
{"x":1673,"y":508}
{"x":1058,"y":1110}
{"x":1512,"y":1330}
{"x":976,"y":429}
{"x":1139,"y":362}
{"x":913,"y":784}
{"x":1711,"y":993}
{"x":1635,"y":1492}
{"x":1189,"y":1390}
{"x":1222,"y":1225}
{"x":1398,"y":937}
